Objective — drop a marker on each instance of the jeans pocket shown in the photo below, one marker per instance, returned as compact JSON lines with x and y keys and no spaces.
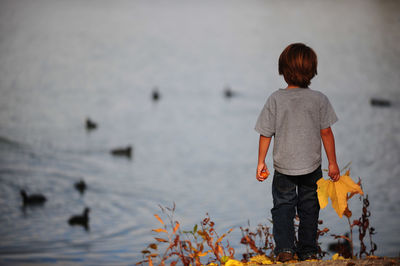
{"x":283,"y":183}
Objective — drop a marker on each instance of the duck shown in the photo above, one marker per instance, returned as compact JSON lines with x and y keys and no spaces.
{"x":380,"y":102}
{"x":80,"y":186}
{"x":82,"y":220}
{"x":342,"y":246}
{"x":90,"y":125}
{"x":155,"y":94}
{"x":122,"y":151}
{"x":34,"y":199}
{"x":228,"y":92}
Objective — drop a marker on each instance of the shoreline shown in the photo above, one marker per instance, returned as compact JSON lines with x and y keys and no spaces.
{"x":386,"y":261}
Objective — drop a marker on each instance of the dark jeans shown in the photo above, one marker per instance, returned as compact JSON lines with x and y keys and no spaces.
{"x":291,"y":193}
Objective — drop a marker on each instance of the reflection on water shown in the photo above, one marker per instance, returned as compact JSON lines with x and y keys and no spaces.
{"x":181,"y":85}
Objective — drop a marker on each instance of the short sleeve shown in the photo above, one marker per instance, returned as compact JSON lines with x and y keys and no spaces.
{"x":327,"y":115}
{"x":266,"y":120}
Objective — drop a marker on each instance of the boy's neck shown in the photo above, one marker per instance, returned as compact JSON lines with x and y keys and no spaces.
{"x":292,"y":87}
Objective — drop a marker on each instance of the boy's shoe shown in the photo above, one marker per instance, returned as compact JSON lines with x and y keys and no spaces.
{"x":284,"y":256}
{"x":309,"y":257}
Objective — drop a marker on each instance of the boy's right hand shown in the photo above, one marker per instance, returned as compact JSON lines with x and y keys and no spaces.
{"x":262,"y":172}
{"x":334,"y":172}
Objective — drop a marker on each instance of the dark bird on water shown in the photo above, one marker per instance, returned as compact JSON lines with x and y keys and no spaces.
{"x":155,"y":94}
{"x":80,"y":186}
{"x":34,"y":199}
{"x":380,"y":102}
{"x":82,"y":220}
{"x":90,"y":125}
{"x":228,"y":92}
{"x":342,"y":246}
{"x":122,"y":151}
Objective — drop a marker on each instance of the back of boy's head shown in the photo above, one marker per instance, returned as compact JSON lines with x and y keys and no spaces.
{"x":298,"y":64}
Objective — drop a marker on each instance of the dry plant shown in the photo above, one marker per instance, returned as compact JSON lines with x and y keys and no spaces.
{"x":321,"y":253}
{"x":187,"y":247}
{"x":363,"y":228}
{"x":257,"y":242}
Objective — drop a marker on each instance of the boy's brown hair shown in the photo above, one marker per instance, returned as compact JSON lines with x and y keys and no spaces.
{"x":298,"y":64}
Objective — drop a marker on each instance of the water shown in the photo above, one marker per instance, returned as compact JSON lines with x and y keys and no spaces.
{"x":63,"y":61}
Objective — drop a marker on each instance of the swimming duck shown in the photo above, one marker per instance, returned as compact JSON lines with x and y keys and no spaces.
{"x":34,"y":199}
{"x":342,"y":246}
{"x":80,"y":186}
{"x":90,"y":125}
{"x":122,"y":151}
{"x":380,"y":102}
{"x":82,"y":220}
{"x":155,"y":94}
{"x":228,"y":92}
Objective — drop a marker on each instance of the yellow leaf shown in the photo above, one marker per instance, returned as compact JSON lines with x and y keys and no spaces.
{"x":234,"y":263}
{"x":323,"y":186}
{"x":160,"y":230}
{"x":158,"y":218}
{"x":261,"y":259}
{"x":337,"y":257}
{"x":337,"y":192}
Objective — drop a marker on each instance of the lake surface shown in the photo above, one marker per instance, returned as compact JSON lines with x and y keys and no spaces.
{"x":64,"y":61}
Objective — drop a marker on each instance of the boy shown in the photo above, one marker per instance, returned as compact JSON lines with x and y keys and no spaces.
{"x":298,"y":118}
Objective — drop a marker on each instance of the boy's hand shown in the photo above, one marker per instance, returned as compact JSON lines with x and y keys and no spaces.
{"x":262,"y":172}
{"x":334,"y":172}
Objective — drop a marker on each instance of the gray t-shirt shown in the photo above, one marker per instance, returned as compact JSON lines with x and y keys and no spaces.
{"x":295,"y":117}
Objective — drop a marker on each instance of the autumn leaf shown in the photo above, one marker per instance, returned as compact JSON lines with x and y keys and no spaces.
{"x":202,"y":254}
{"x":153,"y":246}
{"x":261,"y":259}
{"x":337,"y":257}
{"x":323,"y":193}
{"x":160,"y":230}
{"x":160,"y":239}
{"x":337,"y":192}
{"x":220,"y":239}
{"x":234,"y":263}
{"x":176,"y":227}
{"x":158,"y":218}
